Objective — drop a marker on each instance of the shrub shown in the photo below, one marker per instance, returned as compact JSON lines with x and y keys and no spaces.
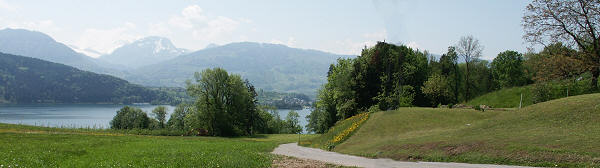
{"x":130,"y":118}
{"x":558,"y":89}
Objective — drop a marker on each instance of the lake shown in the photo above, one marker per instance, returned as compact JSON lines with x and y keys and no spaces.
{"x":83,"y":115}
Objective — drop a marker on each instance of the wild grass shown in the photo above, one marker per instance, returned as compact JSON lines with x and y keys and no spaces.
{"x":336,"y":134}
{"x":30,"y":146}
{"x":563,"y":132}
{"x":505,"y":98}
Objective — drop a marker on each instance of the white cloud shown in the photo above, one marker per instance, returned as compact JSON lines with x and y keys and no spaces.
{"x":380,"y":35}
{"x":42,"y":26}
{"x":106,"y":40}
{"x":352,"y":47}
{"x":291,"y":42}
{"x":159,"y":29}
{"x":202,"y":26}
{"x":215,"y":28}
{"x":7,"y":7}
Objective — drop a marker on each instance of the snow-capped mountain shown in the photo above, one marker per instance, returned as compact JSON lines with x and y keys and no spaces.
{"x":146,"y":51}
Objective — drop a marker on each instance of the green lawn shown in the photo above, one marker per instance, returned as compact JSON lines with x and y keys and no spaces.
{"x":28,"y":146}
{"x":505,"y":98}
{"x":563,"y":132}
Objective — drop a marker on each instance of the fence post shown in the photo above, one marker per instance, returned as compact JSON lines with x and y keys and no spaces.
{"x":521,"y":102}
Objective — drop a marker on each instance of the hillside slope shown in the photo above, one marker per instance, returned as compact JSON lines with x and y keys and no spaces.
{"x":563,"y":132}
{"x":39,"y":45}
{"x":505,"y":98}
{"x":31,"y":80}
{"x":271,"y":67}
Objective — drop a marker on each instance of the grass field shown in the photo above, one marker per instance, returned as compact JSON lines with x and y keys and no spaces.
{"x":29,"y":146}
{"x":336,"y":134}
{"x":505,"y":98}
{"x":563,"y":132}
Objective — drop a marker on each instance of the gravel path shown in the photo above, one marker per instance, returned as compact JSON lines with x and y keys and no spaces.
{"x":293,"y":150}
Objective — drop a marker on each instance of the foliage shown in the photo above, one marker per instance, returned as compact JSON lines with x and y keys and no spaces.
{"x":171,"y":95}
{"x":292,"y":124}
{"x":469,"y":48}
{"x":574,"y":22}
{"x":449,"y":69}
{"x":160,"y":114}
{"x":507,"y":69}
{"x":283,"y":100}
{"x":225,"y":105}
{"x":544,"y":91}
{"x":436,"y":88}
{"x":177,"y":119}
{"x":385,"y":75}
{"x":555,"y":62}
{"x":130,"y":118}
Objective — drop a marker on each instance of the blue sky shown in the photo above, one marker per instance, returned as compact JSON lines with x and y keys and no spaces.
{"x":342,"y":27}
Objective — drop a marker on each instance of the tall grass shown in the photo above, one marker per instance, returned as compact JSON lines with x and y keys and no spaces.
{"x":563,"y":132}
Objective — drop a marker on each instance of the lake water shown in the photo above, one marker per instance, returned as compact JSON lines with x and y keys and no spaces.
{"x":82,"y":115}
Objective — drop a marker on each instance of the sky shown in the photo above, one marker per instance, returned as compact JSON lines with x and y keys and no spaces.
{"x":340,"y":26}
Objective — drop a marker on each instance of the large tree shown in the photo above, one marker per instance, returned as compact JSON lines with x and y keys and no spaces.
{"x":574,"y":22}
{"x":160,"y":114}
{"x":449,"y":68}
{"x":469,"y":48}
{"x":222,"y":102}
{"x":507,"y":69}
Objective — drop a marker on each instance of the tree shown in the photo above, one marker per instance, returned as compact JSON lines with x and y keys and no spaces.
{"x":177,"y":119}
{"x":556,"y":62}
{"x":437,"y":90}
{"x":449,"y":68}
{"x":292,"y":124}
{"x":130,"y":118}
{"x":222,"y":104}
{"x":575,"y":22}
{"x":253,"y":119}
{"x":160,"y":114}
{"x":507,"y":69}
{"x":469,"y":48}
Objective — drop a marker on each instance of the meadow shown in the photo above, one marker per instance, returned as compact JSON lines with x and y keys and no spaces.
{"x":563,"y":132}
{"x":30,"y":146}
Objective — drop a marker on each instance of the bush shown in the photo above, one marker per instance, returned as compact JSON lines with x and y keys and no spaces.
{"x":130,"y":118}
{"x":558,"y":89}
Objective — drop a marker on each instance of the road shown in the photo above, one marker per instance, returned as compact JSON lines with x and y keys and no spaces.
{"x":293,"y":150}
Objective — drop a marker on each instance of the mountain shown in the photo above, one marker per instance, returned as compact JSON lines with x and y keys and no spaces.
{"x":32,"y":80}
{"x":86,"y":51}
{"x":39,"y":45}
{"x":271,"y":67}
{"x":146,"y":51}
{"x":211,"y":45}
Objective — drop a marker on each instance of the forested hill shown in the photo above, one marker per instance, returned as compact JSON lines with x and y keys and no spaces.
{"x":271,"y":67}
{"x":31,"y":80}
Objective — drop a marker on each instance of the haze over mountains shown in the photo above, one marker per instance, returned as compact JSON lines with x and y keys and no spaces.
{"x":155,"y":61}
{"x":39,"y":45}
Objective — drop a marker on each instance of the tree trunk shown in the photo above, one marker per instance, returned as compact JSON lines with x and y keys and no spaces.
{"x":467,"y":83}
{"x":595,"y":74}
{"x":456,"y":83}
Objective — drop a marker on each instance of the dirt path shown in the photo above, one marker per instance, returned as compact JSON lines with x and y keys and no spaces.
{"x":293,"y":150}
